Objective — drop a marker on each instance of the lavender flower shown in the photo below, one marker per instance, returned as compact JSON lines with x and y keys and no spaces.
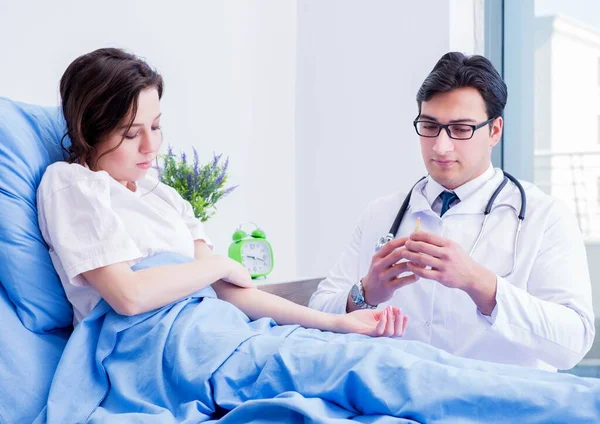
{"x":196,"y":173}
{"x":199,"y":184}
{"x":226,"y":164}
{"x":216,"y":160}
{"x":229,"y":190}
{"x":220,"y":179}
{"x":223,"y":173}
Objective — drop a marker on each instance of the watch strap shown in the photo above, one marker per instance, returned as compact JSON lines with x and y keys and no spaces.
{"x":359,"y":299}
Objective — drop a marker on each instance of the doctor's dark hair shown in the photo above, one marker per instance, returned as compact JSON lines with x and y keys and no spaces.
{"x":99,"y":93}
{"x":456,"y":70}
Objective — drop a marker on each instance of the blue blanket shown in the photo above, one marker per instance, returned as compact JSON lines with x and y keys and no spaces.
{"x":202,"y":360}
{"x":27,"y":364}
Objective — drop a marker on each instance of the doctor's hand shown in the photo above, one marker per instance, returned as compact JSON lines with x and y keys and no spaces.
{"x":383,"y":278}
{"x":437,"y":258}
{"x":388,"y":322}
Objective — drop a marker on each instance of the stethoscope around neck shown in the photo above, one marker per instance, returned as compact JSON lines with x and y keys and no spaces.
{"x":488,"y":209}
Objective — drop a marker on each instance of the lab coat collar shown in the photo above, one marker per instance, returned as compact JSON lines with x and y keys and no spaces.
{"x":433,"y":189}
{"x":474,"y":197}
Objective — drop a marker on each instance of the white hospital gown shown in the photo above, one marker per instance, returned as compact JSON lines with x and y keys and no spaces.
{"x":89,"y":220}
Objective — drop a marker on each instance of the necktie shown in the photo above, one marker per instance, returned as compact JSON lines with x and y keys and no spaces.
{"x":447,"y":198}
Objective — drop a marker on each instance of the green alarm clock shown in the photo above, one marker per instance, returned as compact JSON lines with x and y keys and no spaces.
{"x":253,"y":251}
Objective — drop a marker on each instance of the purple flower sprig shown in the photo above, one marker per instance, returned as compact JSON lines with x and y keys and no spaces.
{"x":201,"y":185}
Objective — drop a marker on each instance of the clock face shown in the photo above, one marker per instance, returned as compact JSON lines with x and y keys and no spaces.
{"x":256,"y":257}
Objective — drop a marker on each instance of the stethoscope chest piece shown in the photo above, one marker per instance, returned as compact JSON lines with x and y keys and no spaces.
{"x":383,"y":241}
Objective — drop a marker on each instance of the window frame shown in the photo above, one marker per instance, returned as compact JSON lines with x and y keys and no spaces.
{"x":509,"y":44}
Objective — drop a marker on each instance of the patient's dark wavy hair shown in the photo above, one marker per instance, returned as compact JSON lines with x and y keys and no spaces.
{"x":99,"y":91}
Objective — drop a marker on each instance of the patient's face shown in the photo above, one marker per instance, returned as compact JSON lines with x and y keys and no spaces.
{"x":453,"y":163}
{"x":140,"y":144}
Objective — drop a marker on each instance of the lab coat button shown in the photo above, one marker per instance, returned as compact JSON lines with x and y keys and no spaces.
{"x":427,"y":323}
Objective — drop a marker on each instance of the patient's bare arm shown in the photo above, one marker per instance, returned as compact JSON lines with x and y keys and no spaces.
{"x":258,"y":304}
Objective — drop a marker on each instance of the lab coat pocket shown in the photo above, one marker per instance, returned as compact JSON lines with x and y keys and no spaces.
{"x":495,"y":258}
{"x":495,"y":249}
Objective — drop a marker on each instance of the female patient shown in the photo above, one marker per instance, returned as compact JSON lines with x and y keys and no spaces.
{"x":100,"y":214}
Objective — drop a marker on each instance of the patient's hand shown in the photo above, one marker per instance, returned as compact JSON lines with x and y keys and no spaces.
{"x":237,"y":274}
{"x":388,"y":322}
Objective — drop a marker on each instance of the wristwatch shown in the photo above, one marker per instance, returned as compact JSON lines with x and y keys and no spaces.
{"x":357,"y":294}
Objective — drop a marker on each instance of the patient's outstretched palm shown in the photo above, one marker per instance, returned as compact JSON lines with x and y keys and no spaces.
{"x":388,"y":322}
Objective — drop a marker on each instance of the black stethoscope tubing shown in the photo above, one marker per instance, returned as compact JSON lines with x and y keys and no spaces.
{"x":488,"y":208}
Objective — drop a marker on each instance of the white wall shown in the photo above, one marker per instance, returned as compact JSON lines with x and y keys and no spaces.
{"x":308,"y":98}
{"x":466,"y":19}
{"x":229,"y":70}
{"x":359,"y":67}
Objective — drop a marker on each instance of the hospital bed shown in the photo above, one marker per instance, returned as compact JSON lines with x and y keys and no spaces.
{"x":35,"y":316}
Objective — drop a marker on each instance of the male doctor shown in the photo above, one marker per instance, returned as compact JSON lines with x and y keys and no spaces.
{"x":533,"y":308}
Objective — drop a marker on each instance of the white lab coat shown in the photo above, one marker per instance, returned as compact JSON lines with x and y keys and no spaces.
{"x":543,"y":317}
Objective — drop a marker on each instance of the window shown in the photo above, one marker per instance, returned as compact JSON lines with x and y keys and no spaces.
{"x":551,"y":64}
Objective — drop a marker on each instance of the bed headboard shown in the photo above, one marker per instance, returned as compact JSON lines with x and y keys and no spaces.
{"x":297,"y":291}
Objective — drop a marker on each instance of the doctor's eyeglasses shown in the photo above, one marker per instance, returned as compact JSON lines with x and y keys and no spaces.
{"x":431,"y":129}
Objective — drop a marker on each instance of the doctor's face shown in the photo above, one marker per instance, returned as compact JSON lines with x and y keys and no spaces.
{"x":450,"y":162}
